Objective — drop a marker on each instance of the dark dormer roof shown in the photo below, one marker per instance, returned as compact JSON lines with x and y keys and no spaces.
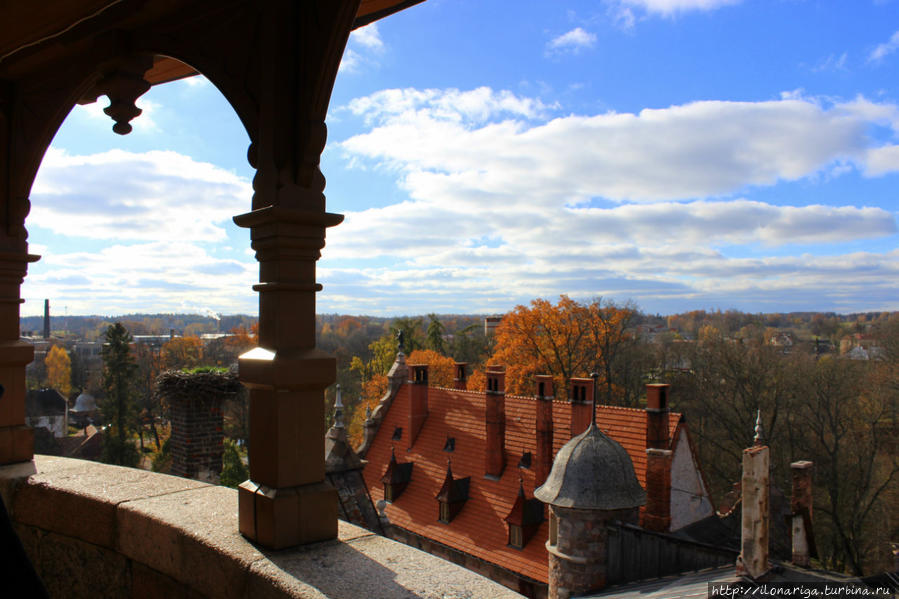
{"x":592,"y":471}
{"x":45,"y":402}
{"x":525,"y":512}
{"x":454,"y":490}
{"x":396,"y":472}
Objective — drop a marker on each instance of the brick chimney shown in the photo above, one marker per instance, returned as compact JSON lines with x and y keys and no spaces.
{"x":460,"y":381}
{"x":657,"y":513}
{"x":753,"y":559}
{"x":801,"y":508}
{"x":418,"y":399}
{"x":657,"y":416}
{"x":544,"y":428}
{"x":581,"y":398}
{"x":495,"y":460}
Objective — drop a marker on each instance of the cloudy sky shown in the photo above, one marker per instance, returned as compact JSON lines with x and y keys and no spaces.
{"x":684,"y":154}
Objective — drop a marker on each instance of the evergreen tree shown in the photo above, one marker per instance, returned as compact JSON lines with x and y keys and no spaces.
{"x":118,"y":407}
{"x":434,"y":334}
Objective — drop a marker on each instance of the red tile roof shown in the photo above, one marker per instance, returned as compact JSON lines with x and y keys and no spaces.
{"x":480,"y":528}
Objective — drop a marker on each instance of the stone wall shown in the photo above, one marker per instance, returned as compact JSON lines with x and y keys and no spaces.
{"x":94,"y":530}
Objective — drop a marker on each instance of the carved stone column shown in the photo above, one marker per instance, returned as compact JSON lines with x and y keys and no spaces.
{"x":16,"y":438}
{"x":287,"y":501}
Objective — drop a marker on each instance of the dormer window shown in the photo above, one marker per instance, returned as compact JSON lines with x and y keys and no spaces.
{"x":450,"y":445}
{"x":524,"y":519}
{"x":452,"y":496}
{"x":396,"y":478}
{"x":525,"y":461}
{"x":397,"y":433}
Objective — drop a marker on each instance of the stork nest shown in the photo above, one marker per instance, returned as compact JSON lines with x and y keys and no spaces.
{"x":179,"y":385}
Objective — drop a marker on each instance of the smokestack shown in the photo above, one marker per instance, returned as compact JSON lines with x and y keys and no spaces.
{"x":460,"y":382}
{"x":495,"y":417}
{"x":801,"y":507}
{"x":581,"y":398}
{"x":753,"y":559}
{"x":418,"y":400}
{"x":46,"y":319}
{"x":544,"y":428}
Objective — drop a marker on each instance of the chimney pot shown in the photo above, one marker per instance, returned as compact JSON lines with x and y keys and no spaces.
{"x":460,"y":381}
{"x":495,"y":421}
{"x":581,"y":397}
{"x":544,"y":405}
{"x":803,"y":539}
{"x":657,"y":416}
{"x":753,"y":560}
{"x":418,"y":400}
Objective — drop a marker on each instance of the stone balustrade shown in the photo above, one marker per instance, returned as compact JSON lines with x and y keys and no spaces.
{"x":94,"y":530}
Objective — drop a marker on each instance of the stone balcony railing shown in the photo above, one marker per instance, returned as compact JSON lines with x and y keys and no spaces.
{"x":93,"y":530}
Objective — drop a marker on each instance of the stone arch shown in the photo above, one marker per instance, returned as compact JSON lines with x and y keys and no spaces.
{"x":275,"y":62}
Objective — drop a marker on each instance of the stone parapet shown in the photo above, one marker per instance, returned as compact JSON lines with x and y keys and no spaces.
{"x":92,"y":528}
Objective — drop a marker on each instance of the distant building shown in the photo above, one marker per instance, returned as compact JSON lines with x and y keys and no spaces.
{"x":47,"y":408}
{"x":490,"y":324}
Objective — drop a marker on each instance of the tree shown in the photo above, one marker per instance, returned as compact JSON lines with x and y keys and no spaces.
{"x":234,"y":471}
{"x":182,"y":352}
{"x":441,"y":370}
{"x":566,"y":340}
{"x":842,"y":423}
{"x":118,"y":406}
{"x":411,"y":329}
{"x":435,"y":334}
{"x":59,"y":370}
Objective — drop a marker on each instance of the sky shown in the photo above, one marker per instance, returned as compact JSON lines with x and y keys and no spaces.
{"x":680,"y":154}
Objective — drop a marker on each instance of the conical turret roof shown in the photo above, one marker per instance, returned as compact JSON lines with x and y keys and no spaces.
{"x":592,"y":471}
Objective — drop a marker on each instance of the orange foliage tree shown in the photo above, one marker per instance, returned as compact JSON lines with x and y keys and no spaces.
{"x":565,"y":340}
{"x":372,"y":391}
{"x":182,"y":352}
{"x":441,"y":369}
{"x":59,"y":370}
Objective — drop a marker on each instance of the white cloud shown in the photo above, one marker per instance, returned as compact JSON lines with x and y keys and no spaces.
{"x":363,"y":48}
{"x":158,"y":195}
{"x":368,"y":37}
{"x":454,"y":144}
{"x":573,"y":41}
{"x":161,"y":276}
{"x":832,"y":63}
{"x":507,"y":203}
{"x":671,"y":7}
{"x":885,"y":49}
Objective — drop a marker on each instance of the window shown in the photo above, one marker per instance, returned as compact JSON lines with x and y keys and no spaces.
{"x":445,"y":516}
{"x":516,"y":538}
{"x":397,"y":433}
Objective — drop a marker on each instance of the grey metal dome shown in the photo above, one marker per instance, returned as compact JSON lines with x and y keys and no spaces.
{"x":592,"y":471}
{"x":85,"y":403}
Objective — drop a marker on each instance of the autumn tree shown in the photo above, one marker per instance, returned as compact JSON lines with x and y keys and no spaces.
{"x":59,"y":370}
{"x":441,"y":369}
{"x":118,"y":406}
{"x":182,"y":352}
{"x":566,"y":340}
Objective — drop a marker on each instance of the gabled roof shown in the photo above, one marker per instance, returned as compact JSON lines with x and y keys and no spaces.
{"x":480,"y":528}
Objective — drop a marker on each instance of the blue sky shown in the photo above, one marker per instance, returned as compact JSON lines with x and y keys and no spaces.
{"x":683,"y":154}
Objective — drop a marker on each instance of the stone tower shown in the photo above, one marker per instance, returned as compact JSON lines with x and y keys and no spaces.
{"x":592,"y":483}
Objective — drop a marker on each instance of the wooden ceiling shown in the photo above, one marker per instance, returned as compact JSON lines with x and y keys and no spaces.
{"x":22,"y":26}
